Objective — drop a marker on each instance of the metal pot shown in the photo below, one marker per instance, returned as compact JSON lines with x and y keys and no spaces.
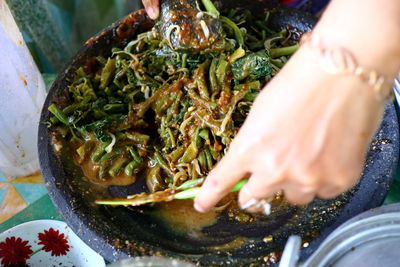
{"x":370,"y":239}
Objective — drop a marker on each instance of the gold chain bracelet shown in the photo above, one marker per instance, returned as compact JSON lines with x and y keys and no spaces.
{"x":339,"y":60}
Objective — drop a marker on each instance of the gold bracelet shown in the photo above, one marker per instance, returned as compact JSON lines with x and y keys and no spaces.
{"x":339,"y":60}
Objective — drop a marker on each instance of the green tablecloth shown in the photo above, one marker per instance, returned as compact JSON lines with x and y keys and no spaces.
{"x":24,"y":199}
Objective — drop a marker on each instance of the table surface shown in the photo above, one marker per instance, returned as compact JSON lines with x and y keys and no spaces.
{"x":24,"y":199}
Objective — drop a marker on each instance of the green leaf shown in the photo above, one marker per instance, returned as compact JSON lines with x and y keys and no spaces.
{"x":254,"y":66}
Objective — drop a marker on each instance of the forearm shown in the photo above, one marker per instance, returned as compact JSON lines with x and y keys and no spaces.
{"x":370,"y":29}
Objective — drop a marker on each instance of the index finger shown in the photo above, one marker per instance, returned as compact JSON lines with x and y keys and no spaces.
{"x":219,"y":182}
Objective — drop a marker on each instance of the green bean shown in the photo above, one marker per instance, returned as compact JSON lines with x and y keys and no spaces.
{"x":107,"y":156}
{"x":190,"y":153}
{"x":108,"y":91}
{"x":118,"y":165}
{"x":104,"y":169}
{"x":209,"y":159}
{"x":212,"y":74}
{"x":154,"y":180}
{"x":59,"y":114}
{"x":197,"y":138}
{"x":101,"y":60}
{"x":184,"y":60}
{"x":135,"y":155}
{"x":283,"y":51}
{"x":200,"y":102}
{"x":138,"y":138}
{"x":99,"y":152}
{"x":175,"y":155}
{"x":222,"y":70}
{"x":203,"y":161}
{"x":53,"y":121}
{"x":277,"y":62}
{"x":107,"y":73}
{"x":199,"y":76}
{"x":267,"y":15}
{"x":236,"y":30}
{"x":131,"y":167}
{"x":163,"y":164}
{"x":171,"y":137}
{"x":256,"y":45}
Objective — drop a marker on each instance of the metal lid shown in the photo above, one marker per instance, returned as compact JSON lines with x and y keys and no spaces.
{"x":372,"y":239}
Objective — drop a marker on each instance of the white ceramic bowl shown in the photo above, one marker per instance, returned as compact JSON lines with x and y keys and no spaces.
{"x":64,"y":248}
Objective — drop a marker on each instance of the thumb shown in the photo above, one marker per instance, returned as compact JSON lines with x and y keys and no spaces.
{"x":152,"y":8}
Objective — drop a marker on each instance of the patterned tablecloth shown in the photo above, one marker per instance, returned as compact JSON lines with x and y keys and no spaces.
{"x":24,"y":199}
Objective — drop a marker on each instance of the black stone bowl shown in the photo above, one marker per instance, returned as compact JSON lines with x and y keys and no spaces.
{"x":118,"y":233}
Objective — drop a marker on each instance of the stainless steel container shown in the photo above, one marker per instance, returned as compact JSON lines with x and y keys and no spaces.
{"x":370,"y":239}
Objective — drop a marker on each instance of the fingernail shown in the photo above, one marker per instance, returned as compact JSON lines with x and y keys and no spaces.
{"x":198,"y":208}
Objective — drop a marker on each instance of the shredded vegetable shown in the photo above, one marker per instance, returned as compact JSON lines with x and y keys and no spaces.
{"x":166,"y":114}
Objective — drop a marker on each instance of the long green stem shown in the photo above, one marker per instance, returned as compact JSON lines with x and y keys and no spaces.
{"x":236,"y":30}
{"x":189,"y":193}
{"x":36,"y":251}
{"x":193,"y":192}
{"x":210,"y":8}
{"x":59,"y":114}
{"x":283,"y":51}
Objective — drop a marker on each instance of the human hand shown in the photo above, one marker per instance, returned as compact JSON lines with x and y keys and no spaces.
{"x":308,"y":131}
{"x":152,"y":8}
{"x":306,"y":134}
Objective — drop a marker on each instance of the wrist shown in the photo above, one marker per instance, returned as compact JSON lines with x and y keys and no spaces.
{"x":367,"y":28}
{"x":339,"y":60}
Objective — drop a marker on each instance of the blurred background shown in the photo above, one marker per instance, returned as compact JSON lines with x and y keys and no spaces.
{"x":55,"y":29}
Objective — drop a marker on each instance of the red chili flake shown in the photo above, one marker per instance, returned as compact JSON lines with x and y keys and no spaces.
{"x":54,"y":241}
{"x":14,"y":251}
